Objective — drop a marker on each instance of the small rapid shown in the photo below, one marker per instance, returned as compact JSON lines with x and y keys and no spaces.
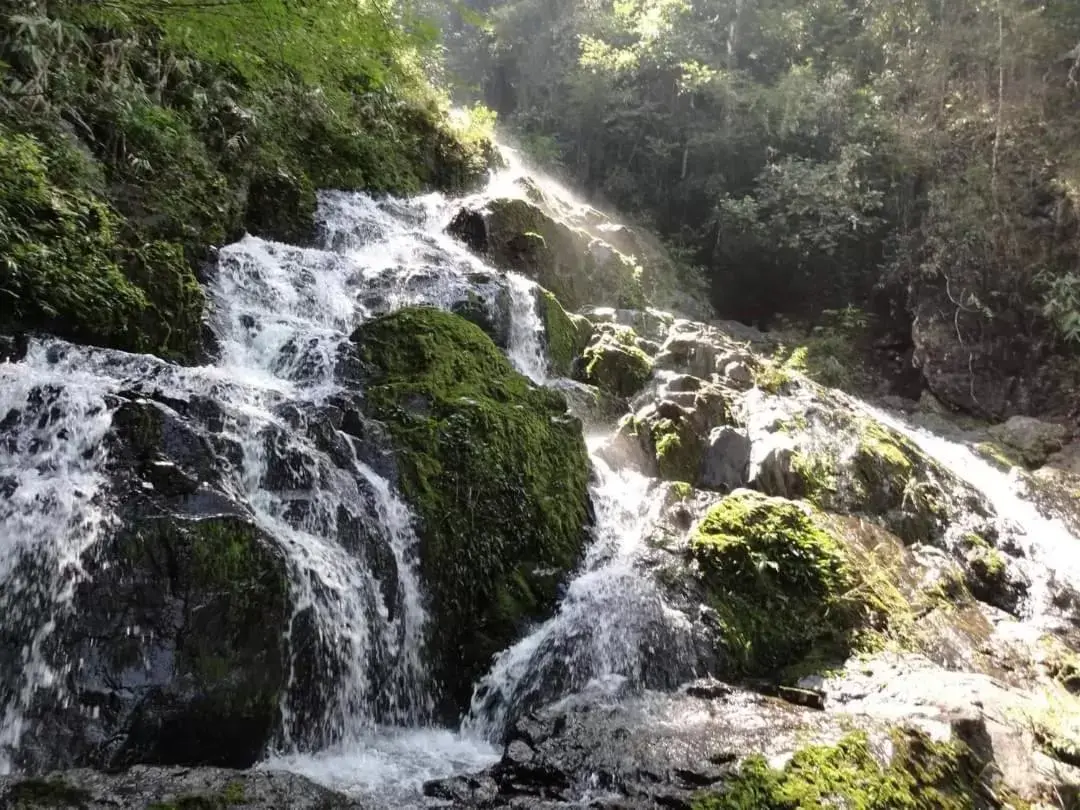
{"x":1049,"y":553}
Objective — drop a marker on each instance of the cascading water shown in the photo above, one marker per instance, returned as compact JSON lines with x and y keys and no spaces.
{"x":283,"y":316}
{"x":1048,"y":547}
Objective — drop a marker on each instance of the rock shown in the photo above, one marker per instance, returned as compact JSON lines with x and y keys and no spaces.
{"x":739,"y":374}
{"x":726,"y":460}
{"x":615,"y":365}
{"x":497,"y":474}
{"x":566,"y":335}
{"x":143,"y":787}
{"x":772,"y":466}
{"x":519,"y":235}
{"x":988,"y":367}
{"x":1035,"y":441}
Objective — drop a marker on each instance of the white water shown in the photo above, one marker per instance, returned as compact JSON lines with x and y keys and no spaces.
{"x":282,"y":313}
{"x":1050,"y":551}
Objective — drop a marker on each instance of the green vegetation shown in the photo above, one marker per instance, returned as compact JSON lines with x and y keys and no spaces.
{"x":45,"y":793}
{"x":921,"y":773}
{"x":780,"y":583}
{"x":135,"y":135}
{"x":904,"y":159}
{"x":567,"y":335}
{"x":614,"y":364}
{"x":495,"y":469}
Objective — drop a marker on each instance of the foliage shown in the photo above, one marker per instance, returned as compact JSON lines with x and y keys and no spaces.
{"x":158,"y":130}
{"x":920,"y":773}
{"x":815,"y":155}
{"x":497,"y":473}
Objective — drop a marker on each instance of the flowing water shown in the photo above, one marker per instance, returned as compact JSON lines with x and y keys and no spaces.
{"x":282,"y":315}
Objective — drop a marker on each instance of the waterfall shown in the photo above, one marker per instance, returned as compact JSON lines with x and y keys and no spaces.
{"x":282,"y":317}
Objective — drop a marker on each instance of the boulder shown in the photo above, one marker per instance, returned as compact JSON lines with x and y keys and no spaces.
{"x":726,"y":460}
{"x":614,"y":364}
{"x":1033,"y":440}
{"x":519,"y":235}
{"x":497,"y":474}
{"x":143,"y":787}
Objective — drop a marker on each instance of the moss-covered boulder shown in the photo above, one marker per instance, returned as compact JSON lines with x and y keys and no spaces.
{"x":614,"y":363}
{"x":919,"y":773}
{"x":779,"y":581}
{"x":518,"y":235}
{"x":497,"y":472}
{"x":566,"y":335}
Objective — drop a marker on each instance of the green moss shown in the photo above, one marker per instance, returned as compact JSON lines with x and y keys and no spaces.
{"x":496,"y":471}
{"x":617,"y":368}
{"x":46,"y":793}
{"x":234,"y":793}
{"x":881,"y":460}
{"x":681,"y":490}
{"x":678,"y":449}
{"x":776,"y":374}
{"x":819,"y":476}
{"x":997,"y":455}
{"x":920,"y":774}
{"x":779,"y":582}
{"x":567,"y":335}
{"x":1064,"y":667}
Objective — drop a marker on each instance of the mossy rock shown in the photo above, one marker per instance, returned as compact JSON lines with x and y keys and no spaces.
{"x":920,"y":773}
{"x":497,"y":472}
{"x":679,"y":449}
{"x":616,"y":366}
{"x":39,"y":793}
{"x":521,"y":236}
{"x":211,"y":601}
{"x":566,"y":335}
{"x":780,"y":583}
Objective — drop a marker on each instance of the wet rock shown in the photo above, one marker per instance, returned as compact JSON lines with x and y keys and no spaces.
{"x":13,"y":348}
{"x":143,"y":787}
{"x":726,"y":461}
{"x":1033,"y":440}
{"x":177,"y":635}
{"x":639,"y":753}
{"x":614,"y":364}
{"x":520,"y":235}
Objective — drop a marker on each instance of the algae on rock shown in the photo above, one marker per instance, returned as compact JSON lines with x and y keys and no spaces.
{"x":779,"y":582}
{"x":920,"y":773}
{"x":615,"y":364}
{"x":497,"y":472}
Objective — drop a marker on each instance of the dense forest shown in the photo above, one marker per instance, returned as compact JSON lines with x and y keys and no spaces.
{"x":843,"y":163}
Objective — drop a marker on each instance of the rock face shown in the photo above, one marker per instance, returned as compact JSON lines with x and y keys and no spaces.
{"x":1033,"y":440}
{"x":519,"y":235}
{"x":497,"y":472}
{"x":175,"y":648}
{"x":988,"y":367}
{"x":163,"y":789}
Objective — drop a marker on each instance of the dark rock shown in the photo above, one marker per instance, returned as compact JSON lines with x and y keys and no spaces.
{"x":198,"y":788}
{"x":13,"y":348}
{"x":177,"y":635}
{"x":726,"y":461}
